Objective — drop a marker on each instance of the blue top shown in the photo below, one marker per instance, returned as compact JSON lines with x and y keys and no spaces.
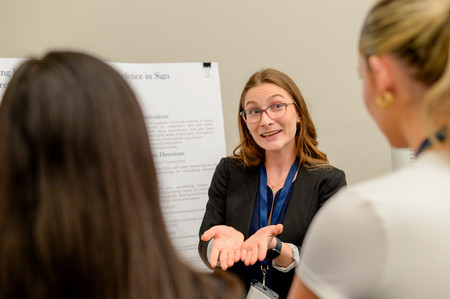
{"x":255,"y":270}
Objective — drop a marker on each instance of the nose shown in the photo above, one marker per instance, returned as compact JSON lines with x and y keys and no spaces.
{"x":265,"y":119}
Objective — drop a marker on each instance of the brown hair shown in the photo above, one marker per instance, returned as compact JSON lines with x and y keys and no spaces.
{"x":306,"y":138}
{"x":80,"y":215}
{"x":418,"y":33}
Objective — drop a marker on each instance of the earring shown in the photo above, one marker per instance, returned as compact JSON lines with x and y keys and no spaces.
{"x":385,"y":100}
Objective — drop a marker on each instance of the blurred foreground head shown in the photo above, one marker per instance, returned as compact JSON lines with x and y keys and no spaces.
{"x":79,"y":212}
{"x":417,"y":34}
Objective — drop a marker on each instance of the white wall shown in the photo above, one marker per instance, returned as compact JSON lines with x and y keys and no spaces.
{"x":315,"y":42}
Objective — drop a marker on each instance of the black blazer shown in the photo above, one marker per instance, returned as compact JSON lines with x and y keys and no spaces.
{"x":232,"y":196}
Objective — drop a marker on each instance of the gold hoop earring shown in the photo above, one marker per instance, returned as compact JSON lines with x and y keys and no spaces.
{"x":385,"y":100}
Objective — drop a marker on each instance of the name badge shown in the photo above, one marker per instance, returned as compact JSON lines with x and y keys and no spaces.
{"x":259,"y":291}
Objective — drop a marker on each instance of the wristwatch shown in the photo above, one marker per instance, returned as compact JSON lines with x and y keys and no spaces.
{"x":274,"y":252}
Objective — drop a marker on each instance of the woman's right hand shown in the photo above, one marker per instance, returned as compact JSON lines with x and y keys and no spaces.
{"x":226,"y":246}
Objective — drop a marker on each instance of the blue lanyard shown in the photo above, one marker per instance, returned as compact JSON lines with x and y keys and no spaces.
{"x":281,"y":199}
{"x":440,"y":135}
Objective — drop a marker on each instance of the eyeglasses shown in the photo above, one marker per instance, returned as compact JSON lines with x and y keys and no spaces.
{"x":274,"y":111}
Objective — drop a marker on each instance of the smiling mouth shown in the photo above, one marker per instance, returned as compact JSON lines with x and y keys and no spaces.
{"x":271,"y":133}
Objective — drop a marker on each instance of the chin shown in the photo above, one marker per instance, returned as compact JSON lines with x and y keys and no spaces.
{"x":270,"y":147}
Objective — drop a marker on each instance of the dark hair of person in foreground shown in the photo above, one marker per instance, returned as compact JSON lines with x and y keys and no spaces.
{"x":80,"y":215}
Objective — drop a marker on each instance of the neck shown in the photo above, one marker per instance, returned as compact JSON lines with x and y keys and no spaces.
{"x":279,"y":163}
{"x":413,"y":128}
{"x":415,"y":139}
{"x":277,"y":169}
{"x":414,"y":131}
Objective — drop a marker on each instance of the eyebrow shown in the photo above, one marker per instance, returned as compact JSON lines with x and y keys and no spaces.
{"x":271,"y":97}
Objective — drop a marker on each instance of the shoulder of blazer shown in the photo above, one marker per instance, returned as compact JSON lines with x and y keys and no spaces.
{"x":319,"y":172}
{"x":237,"y":166}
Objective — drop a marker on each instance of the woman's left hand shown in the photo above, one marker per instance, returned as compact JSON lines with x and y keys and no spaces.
{"x":255,"y":248}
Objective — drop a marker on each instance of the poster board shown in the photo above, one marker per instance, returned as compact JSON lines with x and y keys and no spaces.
{"x":182,"y":107}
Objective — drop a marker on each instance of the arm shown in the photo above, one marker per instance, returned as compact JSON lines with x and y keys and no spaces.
{"x":225,"y":239}
{"x":215,"y":207}
{"x":298,"y":290}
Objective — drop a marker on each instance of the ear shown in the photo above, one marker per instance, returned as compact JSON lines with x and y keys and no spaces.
{"x":382,"y":73}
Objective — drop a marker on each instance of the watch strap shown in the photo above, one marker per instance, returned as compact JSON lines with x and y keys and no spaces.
{"x":274,"y":252}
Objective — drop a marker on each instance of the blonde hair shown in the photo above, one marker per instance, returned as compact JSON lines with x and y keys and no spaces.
{"x":418,"y":33}
{"x":307,"y":152}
